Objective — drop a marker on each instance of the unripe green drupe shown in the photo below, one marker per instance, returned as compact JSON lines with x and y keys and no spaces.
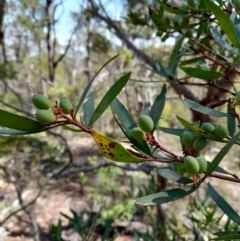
{"x":221,"y":131}
{"x":145,"y":122}
{"x":237,"y":97}
{"x":208,"y":127}
{"x":202,"y":164}
{"x":66,"y":105}
{"x":41,"y":102}
{"x":138,"y":134}
{"x":199,"y":143}
{"x":45,"y":117}
{"x":191,"y":165}
{"x":187,"y":138}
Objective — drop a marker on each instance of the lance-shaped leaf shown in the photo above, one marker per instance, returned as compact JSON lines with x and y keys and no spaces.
{"x":88,"y":108}
{"x":202,"y":109}
{"x":218,"y":158}
{"x":173,"y":176}
{"x":231,"y":121}
{"x":175,"y":53}
{"x":165,"y":196}
{"x":201,"y":73}
{"x":90,"y":84}
{"x":14,"y":121}
{"x":223,"y":205}
{"x":231,"y":235}
{"x":171,"y":131}
{"x":109,"y":97}
{"x":157,"y":107}
{"x":171,"y":9}
{"x":126,"y":123}
{"x":224,"y":22}
{"x":115,"y":151}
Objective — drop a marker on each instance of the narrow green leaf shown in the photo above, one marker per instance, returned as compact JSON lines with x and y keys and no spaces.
{"x":223,"y":205}
{"x":171,"y":131}
{"x":175,"y":53}
{"x":146,"y":109}
{"x":228,"y":237}
{"x":77,"y":223}
{"x":126,"y":123}
{"x":173,"y":176}
{"x":90,"y":84}
{"x":201,"y":73}
{"x":199,"y":131}
{"x":109,"y":97}
{"x":123,"y":115}
{"x":172,"y":9}
{"x":14,"y":121}
{"x":190,"y":61}
{"x":221,"y":41}
{"x":157,"y":107}
{"x":224,"y":22}
{"x":88,"y":108}
{"x":165,"y":196}
{"x":218,"y":158}
{"x":107,"y":230}
{"x":161,"y":70}
{"x":202,"y":109}
{"x":231,"y":121}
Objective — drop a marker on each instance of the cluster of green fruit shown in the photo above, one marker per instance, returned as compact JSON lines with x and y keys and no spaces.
{"x":45,"y":114}
{"x":200,"y":143}
{"x":145,"y":124}
{"x":199,"y":164}
{"x":195,"y":165}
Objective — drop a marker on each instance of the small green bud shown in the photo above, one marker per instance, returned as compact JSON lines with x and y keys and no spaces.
{"x":221,"y":131}
{"x":208,"y":127}
{"x":199,"y":143}
{"x":202,"y":164}
{"x":138,"y":134}
{"x":145,"y":122}
{"x":66,"y":105}
{"x":191,"y":165}
{"x":45,"y":117}
{"x":41,"y":102}
{"x":187,"y":138}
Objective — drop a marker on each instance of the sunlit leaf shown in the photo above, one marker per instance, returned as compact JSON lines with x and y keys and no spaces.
{"x":90,"y":84}
{"x":165,"y":196}
{"x":202,"y":109}
{"x":158,"y":106}
{"x":173,"y":176}
{"x":14,"y":121}
{"x":88,"y":108}
{"x":109,"y":97}
{"x":201,"y":73}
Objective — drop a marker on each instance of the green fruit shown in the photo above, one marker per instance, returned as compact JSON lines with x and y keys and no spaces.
{"x":41,"y":102}
{"x":221,"y":131}
{"x":208,"y":127}
{"x":138,"y":134}
{"x":66,"y":105}
{"x":199,"y":143}
{"x":145,"y":122}
{"x":45,"y":117}
{"x":191,"y":165}
{"x":187,"y":138}
{"x":202,"y":164}
{"x":237,"y":97}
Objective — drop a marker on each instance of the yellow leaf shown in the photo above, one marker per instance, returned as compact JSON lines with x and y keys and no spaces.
{"x":114,"y":150}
